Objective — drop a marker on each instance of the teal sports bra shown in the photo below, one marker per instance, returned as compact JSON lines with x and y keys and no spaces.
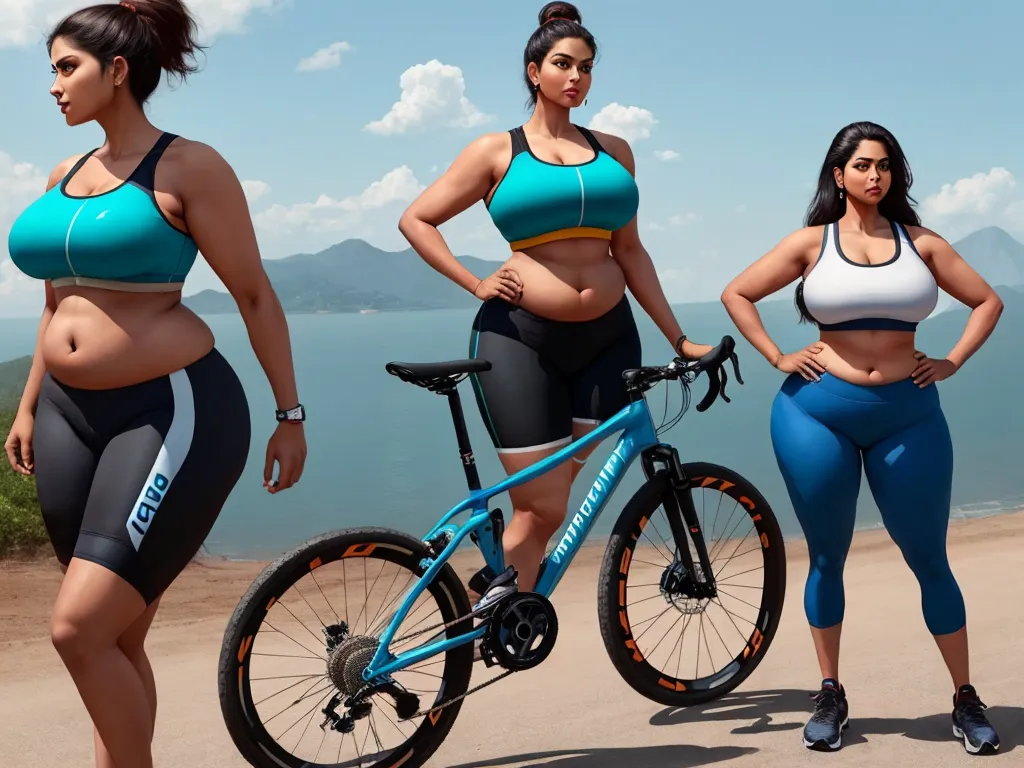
{"x":118,"y":240}
{"x":539,"y":202}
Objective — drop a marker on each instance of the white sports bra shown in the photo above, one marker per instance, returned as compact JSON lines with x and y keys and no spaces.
{"x":895,"y":295}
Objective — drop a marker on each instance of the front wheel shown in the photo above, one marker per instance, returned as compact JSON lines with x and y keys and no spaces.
{"x":647,"y":602}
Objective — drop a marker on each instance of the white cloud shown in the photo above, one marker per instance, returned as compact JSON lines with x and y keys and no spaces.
{"x":433,"y":96}
{"x":26,"y":22}
{"x":20,"y":184}
{"x":255,"y":189}
{"x":666,"y":155}
{"x":682,"y":219}
{"x":977,"y":195}
{"x":629,"y":123}
{"x":325,"y":58}
{"x":328,"y":214}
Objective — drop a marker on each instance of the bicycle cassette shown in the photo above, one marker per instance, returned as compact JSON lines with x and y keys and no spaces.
{"x":521,"y":631}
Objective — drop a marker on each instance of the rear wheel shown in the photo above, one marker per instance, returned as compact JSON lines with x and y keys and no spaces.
{"x":645,"y":609}
{"x":315,"y":616}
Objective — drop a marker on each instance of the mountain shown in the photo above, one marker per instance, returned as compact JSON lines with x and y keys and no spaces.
{"x":995,"y":254}
{"x":13,"y":374}
{"x":353,"y":276}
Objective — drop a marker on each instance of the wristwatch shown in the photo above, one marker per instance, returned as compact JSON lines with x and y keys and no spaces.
{"x":298,"y":413}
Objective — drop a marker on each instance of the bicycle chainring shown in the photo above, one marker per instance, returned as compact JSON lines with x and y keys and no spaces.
{"x":521,"y":632}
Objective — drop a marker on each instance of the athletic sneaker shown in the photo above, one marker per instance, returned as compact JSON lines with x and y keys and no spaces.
{"x":824,"y":731}
{"x":503,"y":585}
{"x":970,"y":724}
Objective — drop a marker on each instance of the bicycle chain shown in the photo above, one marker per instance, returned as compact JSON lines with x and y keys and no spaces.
{"x":445,"y":626}
{"x":448,"y":703}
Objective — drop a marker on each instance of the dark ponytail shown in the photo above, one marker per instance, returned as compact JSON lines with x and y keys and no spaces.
{"x":153,"y":36}
{"x":556,"y":21}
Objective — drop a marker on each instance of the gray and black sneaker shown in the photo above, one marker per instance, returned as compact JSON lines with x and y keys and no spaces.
{"x":970,"y":724}
{"x":824,"y":731}
{"x":501,"y":586}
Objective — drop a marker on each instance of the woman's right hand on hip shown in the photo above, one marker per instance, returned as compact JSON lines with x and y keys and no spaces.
{"x":804,"y":361}
{"x":19,"y":444}
{"x":504,"y":284}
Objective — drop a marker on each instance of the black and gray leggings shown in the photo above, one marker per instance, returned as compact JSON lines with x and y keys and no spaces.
{"x":134,"y":478}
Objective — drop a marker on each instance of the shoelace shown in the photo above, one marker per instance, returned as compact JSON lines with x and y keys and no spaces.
{"x":827,"y":705}
{"x":973,"y":709}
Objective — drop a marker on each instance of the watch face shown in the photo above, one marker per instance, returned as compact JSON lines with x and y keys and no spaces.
{"x":293,"y":414}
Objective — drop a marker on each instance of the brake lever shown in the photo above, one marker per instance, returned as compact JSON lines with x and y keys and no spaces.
{"x":736,"y":366}
{"x":714,"y":385}
{"x":725,"y":380}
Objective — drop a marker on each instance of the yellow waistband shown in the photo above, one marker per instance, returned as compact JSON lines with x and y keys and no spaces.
{"x":116,"y":285}
{"x":561,"y":234}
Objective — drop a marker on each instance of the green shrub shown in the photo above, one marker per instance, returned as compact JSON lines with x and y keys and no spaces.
{"x":21,"y":524}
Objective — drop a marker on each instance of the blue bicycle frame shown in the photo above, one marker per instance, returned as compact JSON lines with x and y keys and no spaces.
{"x":638,"y":434}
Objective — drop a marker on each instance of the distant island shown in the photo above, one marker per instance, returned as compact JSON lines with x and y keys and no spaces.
{"x":355,"y":276}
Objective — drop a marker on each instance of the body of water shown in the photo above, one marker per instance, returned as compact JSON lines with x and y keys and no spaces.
{"x":383,"y":452}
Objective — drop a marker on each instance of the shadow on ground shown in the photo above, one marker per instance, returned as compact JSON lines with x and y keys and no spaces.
{"x":668,"y":756}
{"x":757,"y":710}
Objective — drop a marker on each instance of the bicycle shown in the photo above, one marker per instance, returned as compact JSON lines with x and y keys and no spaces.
{"x":517,"y":631}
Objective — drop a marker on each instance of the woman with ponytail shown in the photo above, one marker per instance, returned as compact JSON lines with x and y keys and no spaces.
{"x":134,"y":425}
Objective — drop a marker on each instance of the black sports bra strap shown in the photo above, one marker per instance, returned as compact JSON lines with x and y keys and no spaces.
{"x":145,"y":173}
{"x":591,"y":139}
{"x":519,"y":143}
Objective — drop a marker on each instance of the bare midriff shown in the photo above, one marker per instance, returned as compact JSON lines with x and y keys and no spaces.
{"x":569,"y":280}
{"x":868,"y":358}
{"x":103,"y":339}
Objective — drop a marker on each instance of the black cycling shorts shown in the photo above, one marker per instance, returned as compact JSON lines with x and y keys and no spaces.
{"x":546,"y":374}
{"x":134,"y":478}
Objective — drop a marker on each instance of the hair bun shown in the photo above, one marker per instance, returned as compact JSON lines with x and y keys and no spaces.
{"x":559,"y":11}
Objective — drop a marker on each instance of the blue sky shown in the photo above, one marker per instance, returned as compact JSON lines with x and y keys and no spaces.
{"x":743,"y":97}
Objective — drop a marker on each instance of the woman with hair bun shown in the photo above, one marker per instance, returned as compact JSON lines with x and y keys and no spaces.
{"x":554,"y":320}
{"x":134,"y":425}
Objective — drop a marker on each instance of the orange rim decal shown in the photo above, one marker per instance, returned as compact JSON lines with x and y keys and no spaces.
{"x":243,"y":649}
{"x":315,"y":563}
{"x":359,"y":550}
{"x":626,"y":555}
{"x":637,"y":656}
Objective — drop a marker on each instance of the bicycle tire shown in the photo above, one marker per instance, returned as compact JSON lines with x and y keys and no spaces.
{"x":613,"y":619}
{"x":248,"y":733}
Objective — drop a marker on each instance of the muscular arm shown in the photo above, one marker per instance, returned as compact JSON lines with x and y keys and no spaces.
{"x":775,"y":270}
{"x":631,"y":255}
{"x":217,"y":215}
{"x":465,"y":182}
{"x":956,"y":277}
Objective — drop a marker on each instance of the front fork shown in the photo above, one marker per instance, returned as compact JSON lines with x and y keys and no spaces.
{"x":682,"y":518}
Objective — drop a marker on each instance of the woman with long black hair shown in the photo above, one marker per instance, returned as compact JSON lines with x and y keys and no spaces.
{"x":863,"y":396}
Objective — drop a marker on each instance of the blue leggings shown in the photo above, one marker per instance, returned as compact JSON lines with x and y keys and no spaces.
{"x":822,"y":432}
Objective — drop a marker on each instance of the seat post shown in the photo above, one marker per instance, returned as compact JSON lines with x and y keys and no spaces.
{"x":462,"y":435}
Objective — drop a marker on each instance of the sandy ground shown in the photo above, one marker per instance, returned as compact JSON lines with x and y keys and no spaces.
{"x":574,"y":711}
